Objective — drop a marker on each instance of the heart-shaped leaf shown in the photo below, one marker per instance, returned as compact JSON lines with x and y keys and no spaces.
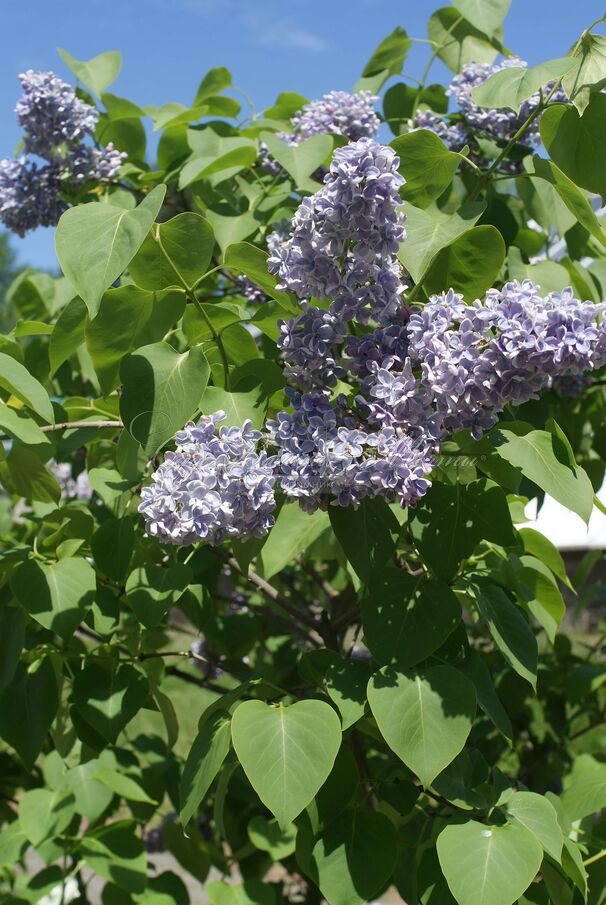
{"x":301,"y":160}
{"x":151,"y":590}
{"x":108,"y":696}
{"x":286,"y":752}
{"x":56,"y":595}
{"x":424,"y":717}
{"x":96,"y":242}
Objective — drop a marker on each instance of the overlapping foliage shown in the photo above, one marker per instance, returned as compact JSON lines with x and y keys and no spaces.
{"x":305,"y":645}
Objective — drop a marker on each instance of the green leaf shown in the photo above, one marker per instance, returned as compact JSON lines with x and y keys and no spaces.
{"x":459,"y":41}
{"x":571,"y":195}
{"x":510,"y":630}
{"x":12,"y":844}
{"x":204,"y":760}
{"x":107,"y":696}
{"x":96,"y":242}
{"x":549,"y":275}
{"x":161,"y":393}
{"x":538,"y":815}
{"x":56,"y":595}
{"x":286,"y":752}
{"x":28,"y":705}
{"x":425,"y":718}
{"x":476,"y":669}
{"x":179,"y":253}
{"x":429,"y":231}
{"x":28,"y":477}
{"x":92,"y":797}
{"x":292,"y":534}
{"x":301,"y":160}
{"x":251,"y":892}
{"x":346,"y":682}
{"x":121,"y":784}
{"x":425,"y":163}
{"x":542,"y":598}
{"x":453,"y":519}
{"x":246,"y":258}
{"x":231,"y":229}
{"x":367,"y":533}
{"x":112,"y":547}
{"x":585,"y":787}
{"x":115,"y":852}
{"x":589,"y":69}
{"x":12,"y":636}
{"x":238,"y":154}
{"x":536,"y":544}
{"x":407,"y":618}
{"x":389,"y":56}
{"x":151,"y":590}
{"x":214,"y":82}
{"x":16,"y":424}
{"x":511,"y":86}
{"x":576,"y":142}
{"x":267,"y":836}
{"x":354,"y":857}
{"x":456,"y":265}
{"x":546,"y":459}
{"x":44,"y":814}
{"x":113,"y":332}
{"x":488,"y":865}
{"x":16,"y":379}
{"x":98,"y":72}
{"x":238,"y":407}
{"x":487,"y":15}
{"x":68,"y":333}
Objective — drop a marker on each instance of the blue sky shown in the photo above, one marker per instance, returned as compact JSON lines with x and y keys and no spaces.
{"x":308,"y":46}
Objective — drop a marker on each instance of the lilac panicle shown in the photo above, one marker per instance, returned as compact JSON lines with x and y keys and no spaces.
{"x":51,"y":114}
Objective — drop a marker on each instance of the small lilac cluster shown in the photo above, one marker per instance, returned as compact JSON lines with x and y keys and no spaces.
{"x":344,"y":239}
{"x":215,"y":485}
{"x":340,"y":113}
{"x":453,"y":133}
{"x":571,"y":386}
{"x":478,"y":358}
{"x":55,"y":123}
{"x":336,"y":113}
{"x":249,"y":290}
{"x":325,"y":452}
{"x":498,"y":123}
{"x":72,"y":488}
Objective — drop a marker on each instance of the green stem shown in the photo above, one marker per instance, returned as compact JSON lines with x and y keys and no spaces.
{"x":430,"y":63}
{"x":485,"y":179}
{"x":597,"y":857}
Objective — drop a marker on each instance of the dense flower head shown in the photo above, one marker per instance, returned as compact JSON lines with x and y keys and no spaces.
{"x":51,"y":114}
{"x":215,"y":485}
{"x":500,"y":123}
{"x":308,"y":343}
{"x":338,"y":112}
{"x":344,"y":237}
{"x":56,"y":124}
{"x":325,"y":454}
{"x":479,"y":358}
{"x":29,"y":195}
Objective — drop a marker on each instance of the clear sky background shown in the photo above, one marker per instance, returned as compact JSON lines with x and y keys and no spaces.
{"x":307,"y":46}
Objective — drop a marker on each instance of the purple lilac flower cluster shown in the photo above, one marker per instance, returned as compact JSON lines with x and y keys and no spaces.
{"x":215,"y":485}
{"x":326,"y":453}
{"x":498,"y":123}
{"x":344,"y":238}
{"x":55,"y":123}
{"x":336,"y":113}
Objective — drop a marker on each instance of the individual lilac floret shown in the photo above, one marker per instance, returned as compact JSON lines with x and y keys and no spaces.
{"x":338,"y":112}
{"x":214,"y":486}
{"x":51,"y":114}
{"x":500,"y":123}
{"x":29,"y":195}
{"x":326,"y":455}
{"x":78,"y":488}
{"x":344,"y":238}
